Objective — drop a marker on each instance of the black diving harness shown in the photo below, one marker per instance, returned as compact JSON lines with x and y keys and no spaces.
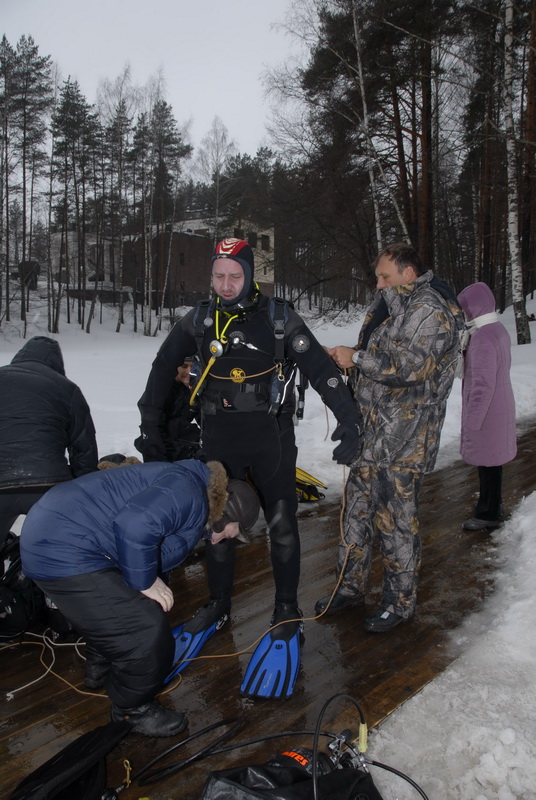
{"x":284,"y":372}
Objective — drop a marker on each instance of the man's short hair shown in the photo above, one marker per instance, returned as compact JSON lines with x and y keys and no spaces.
{"x":404,"y":255}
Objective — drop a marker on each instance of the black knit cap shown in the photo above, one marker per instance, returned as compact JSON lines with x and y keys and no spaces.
{"x":238,"y":250}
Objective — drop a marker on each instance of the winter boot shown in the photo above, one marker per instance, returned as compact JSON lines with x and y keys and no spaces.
{"x":475,"y":524}
{"x":336,"y":602}
{"x":151,"y":719}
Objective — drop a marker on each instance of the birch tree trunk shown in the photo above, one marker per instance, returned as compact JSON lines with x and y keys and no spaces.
{"x":372,"y":154}
{"x":528,"y":205}
{"x":518,"y":296}
{"x":366,"y":131}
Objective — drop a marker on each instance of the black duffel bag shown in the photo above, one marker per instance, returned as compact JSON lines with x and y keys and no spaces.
{"x":289,"y":777}
{"x":22,"y":603}
{"x":78,"y":772}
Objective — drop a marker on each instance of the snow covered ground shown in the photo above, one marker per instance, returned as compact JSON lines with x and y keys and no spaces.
{"x":471,"y":733}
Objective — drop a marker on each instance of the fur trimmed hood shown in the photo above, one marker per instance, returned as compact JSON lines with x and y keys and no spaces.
{"x":216,"y":491}
{"x":107,"y":462}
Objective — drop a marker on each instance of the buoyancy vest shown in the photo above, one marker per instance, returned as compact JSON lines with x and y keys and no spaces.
{"x":270,"y":394}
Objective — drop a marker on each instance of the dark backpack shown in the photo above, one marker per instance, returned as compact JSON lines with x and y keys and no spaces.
{"x":77,"y":771}
{"x":22,"y":603}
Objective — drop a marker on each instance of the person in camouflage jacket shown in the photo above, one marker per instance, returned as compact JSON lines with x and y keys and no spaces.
{"x":402,"y":372}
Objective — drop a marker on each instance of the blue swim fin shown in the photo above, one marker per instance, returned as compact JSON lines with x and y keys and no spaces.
{"x":192,"y":635}
{"x":273,"y":667}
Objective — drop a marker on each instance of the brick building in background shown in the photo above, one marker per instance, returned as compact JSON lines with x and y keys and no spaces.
{"x":188,"y":277}
{"x":188,"y":251}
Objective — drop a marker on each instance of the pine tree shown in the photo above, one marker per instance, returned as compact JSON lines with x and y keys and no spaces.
{"x":33,"y":102}
{"x":7,"y":104}
{"x":75,"y":134}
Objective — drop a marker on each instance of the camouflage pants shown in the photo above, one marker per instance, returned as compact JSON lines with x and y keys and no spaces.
{"x":386,"y":501}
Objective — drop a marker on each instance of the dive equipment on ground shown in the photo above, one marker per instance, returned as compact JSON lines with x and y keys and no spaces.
{"x":288,"y":777}
{"x":22,"y":603}
{"x":235,"y":723}
{"x":273,"y":667}
{"x":302,"y":773}
{"x":79,"y":770}
{"x":340,"y":773}
{"x":192,"y":635}
{"x":307,"y":487}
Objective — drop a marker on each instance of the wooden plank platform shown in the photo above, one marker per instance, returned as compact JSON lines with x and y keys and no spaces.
{"x":380,"y":672}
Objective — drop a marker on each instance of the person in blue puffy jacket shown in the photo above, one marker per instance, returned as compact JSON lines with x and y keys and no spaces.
{"x":97,"y":545}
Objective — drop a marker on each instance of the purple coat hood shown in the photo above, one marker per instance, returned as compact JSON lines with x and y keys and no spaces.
{"x":488,"y":435}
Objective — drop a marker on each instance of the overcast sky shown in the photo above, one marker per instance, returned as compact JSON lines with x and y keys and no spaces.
{"x":212,"y":52}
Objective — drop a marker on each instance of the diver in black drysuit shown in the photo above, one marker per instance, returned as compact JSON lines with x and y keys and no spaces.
{"x":238,"y":423}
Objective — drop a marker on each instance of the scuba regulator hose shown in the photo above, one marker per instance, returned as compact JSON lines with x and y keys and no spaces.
{"x":237,"y":723}
{"x":362,"y":747}
{"x":216,"y":350}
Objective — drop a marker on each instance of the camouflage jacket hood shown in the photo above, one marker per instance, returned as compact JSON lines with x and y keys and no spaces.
{"x":406,"y":374}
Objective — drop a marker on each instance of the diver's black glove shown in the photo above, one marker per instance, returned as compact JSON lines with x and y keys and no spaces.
{"x":150,"y":445}
{"x":346,"y":451}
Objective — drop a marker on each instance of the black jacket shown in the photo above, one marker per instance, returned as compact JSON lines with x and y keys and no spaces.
{"x":241,"y":379}
{"x":42,"y":415}
{"x":178,"y":428}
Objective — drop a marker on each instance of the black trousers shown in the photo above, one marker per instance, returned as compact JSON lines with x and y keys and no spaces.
{"x":489,"y":502}
{"x":262,"y":447}
{"x":14,"y":502}
{"x":121,"y":625}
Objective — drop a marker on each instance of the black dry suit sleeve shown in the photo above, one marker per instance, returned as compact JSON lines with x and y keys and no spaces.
{"x":326,"y":379}
{"x":320,"y":369}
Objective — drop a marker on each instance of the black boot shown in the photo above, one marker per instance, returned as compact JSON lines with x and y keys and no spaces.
{"x":215,"y":611}
{"x":338,"y":602}
{"x":283,"y":611}
{"x":151,"y":719}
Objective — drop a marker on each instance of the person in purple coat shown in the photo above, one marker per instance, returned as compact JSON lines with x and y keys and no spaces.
{"x":488,"y":435}
{"x":97,"y":546}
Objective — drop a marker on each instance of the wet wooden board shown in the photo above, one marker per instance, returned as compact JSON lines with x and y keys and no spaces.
{"x":380,"y":671}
